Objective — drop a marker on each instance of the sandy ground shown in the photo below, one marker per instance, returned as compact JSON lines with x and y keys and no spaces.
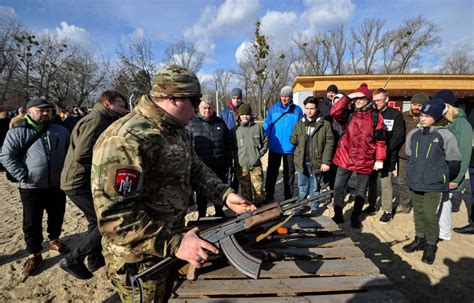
{"x":449,"y":279}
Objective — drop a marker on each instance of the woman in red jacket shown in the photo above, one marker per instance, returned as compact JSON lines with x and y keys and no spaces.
{"x":361,"y":148}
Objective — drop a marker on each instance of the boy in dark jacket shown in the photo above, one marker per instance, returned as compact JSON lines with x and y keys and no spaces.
{"x":434,"y":160}
{"x":314,"y":141}
{"x":251,"y":144}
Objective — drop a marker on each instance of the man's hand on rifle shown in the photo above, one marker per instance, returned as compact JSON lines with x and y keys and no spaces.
{"x":194,"y":249}
{"x":238,"y":204}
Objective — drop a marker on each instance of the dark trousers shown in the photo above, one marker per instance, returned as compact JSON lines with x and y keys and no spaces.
{"x":90,"y":243}
{"x":342,"y":178}
{"x":274,"y":161}
{"x":35,"y":202}
{"x":201,"y":201}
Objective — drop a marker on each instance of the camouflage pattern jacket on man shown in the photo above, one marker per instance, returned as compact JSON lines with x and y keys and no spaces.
{"x":143,"y":170}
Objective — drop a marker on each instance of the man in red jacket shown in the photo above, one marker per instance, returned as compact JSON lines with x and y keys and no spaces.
{"x":361,"y":149}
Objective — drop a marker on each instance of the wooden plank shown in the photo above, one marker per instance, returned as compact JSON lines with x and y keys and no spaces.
{"x":309,"y":253}
{"x":306,"y":242}
{"x":280,"y":287}
{"x":392,"y":296}
{"x":299,"y":268}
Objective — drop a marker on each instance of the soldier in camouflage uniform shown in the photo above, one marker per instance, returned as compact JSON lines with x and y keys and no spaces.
{"x":144,"y":168}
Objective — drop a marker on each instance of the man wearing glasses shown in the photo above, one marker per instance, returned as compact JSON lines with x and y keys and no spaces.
{"x":361,"y":148}
{"x":394,"y":136}
{"x":143,"y":170}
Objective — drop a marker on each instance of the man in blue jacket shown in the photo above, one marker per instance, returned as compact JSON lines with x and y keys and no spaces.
{"x":33,"y":153}
{"x":279,"y":123}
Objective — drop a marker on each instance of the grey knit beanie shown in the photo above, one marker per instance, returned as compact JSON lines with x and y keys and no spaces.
{"x":286,"y":91}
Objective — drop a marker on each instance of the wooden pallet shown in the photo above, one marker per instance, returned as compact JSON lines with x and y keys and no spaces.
{"x":315,"y":262}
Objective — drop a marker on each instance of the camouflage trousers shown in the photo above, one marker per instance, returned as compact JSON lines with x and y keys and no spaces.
{"x":158,"y":290}
{"x":251,"y":183}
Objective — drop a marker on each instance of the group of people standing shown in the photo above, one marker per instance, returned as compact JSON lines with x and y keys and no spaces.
{"x":132,"y":174}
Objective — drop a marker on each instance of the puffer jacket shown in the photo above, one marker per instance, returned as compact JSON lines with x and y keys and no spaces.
{"x":38,"y":168}
{"x":251,"y":142}
{"x":434,"y":159}
{"x":77,"y":166}
{"x":321,"y":143}
{"x":212,"y":142}
{"x":360,"y":146}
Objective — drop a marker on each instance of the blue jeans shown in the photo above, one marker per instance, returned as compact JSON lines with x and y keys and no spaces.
{"x":308,"y":185}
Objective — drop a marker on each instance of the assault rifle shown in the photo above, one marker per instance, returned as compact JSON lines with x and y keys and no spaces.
{"x":223,"y":237}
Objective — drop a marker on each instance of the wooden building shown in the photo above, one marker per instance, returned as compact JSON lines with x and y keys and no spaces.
{"x":400,"y":87}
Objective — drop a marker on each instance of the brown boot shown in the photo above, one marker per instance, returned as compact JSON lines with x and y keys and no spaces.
{"x":32,"y":264}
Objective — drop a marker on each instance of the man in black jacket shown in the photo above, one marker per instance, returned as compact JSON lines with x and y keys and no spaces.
{"x":395,"y":137}
{"x":213,"y":143}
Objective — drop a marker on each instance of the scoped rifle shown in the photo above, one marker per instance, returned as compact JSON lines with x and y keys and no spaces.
{"x":223,"y":237}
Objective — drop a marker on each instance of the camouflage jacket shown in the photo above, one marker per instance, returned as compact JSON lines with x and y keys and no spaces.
{"x":143,"y":169}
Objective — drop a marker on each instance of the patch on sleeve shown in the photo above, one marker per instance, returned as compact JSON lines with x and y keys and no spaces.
{"x":126,"y":181}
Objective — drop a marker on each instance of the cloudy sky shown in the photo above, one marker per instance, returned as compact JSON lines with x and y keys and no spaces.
{"x":221,"y":27}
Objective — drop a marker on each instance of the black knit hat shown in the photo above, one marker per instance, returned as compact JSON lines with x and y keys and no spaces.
{"x":332,"y":88}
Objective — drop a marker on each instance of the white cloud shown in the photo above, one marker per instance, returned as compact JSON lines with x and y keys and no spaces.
{"x":7,"y":12}
{"x":327,"y":12}
{"x":75,"y":35}
{"x":230,"y":17}
{"x":279,"y":26}
{"x":241,"y":52}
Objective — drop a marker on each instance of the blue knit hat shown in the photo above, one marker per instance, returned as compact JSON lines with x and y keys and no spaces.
{"x":447,"y":96}
{"x":434,"y":108}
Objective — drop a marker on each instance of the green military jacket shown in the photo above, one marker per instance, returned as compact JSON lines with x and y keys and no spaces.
{"x":143,"y":170}
{"x":76,"y":173}
{"x":321,"y":145}
{"x":251,"y":142}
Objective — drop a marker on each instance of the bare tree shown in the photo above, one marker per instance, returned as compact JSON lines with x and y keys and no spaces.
{"x":80,"y":81}
{"x":137,"y":63}
{"x":9,"y":27}
{"x":458,"y":63}
{"x":185,"y":54}
{"x":222,"y":79}
{"x":366,"y":42}
{"x":337,"y":49}
{"x":48,"y":63}
{"x":405,"y":43}
{"x":314,"y":53}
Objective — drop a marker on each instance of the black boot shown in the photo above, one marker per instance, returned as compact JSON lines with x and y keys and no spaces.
{"x":355,"y":217}
{"x":338,"y":217}
{"x":417,"y":244}
{"x":429,"y":254}
{"x":468,"y":229}
{"x":77,"y":269}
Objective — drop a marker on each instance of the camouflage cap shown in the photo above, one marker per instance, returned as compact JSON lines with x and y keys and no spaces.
{"x":175,"y":81}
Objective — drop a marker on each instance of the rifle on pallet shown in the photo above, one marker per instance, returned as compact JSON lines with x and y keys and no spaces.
{"x":223,"y":237}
